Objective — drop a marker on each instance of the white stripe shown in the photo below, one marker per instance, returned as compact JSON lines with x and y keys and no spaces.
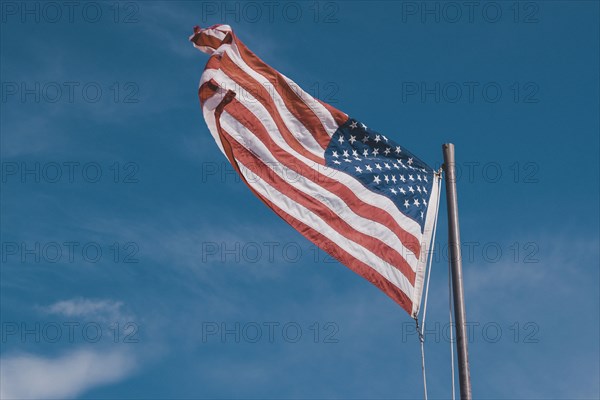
{"x":216,"y":33}
{"x":330,"y":200}
{"x":204,"y":49}
{"x":209,"y":116}
{"x":223,"y":28}
{"x":426,"y":243}
{"x":319,"y":109}
{"x":208,"y":75}
{"x":310,"y":219}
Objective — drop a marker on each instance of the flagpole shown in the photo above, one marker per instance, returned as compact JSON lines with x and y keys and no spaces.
{"x":456,"y":267}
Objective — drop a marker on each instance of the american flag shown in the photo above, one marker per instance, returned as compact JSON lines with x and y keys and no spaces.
{"x":355,"y":193}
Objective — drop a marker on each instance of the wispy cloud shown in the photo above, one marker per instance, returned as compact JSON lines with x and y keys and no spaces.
{"x":104,"y":310}
{"x":33,"y":377}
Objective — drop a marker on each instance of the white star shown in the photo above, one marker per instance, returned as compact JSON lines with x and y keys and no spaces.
{"x":425,"y":178}
{"x":398,"y":150}
{"x":410,"y":189}
{"x":347,"y":160}
{"x":424,"y":202}
{"x":402,"y":191}
{"x":411,"y":177}
{"x":410,"y":161}
{"x":337,"y":162}
{"x":353,"y":124}
{"x":384,"y":138}
{"x":396,"y":166}
{"x":418,"y":189}
{"x":357,"y":159}
{"x":406,"y":203}
{"x":402,"y":178}
{"x":422,"y":214}
{"x":387,"y":166}
{"x":419,"y":177}
{"x":346,"y":154}
{"x":368,"y":167}
{"x":376,"y":180}
{"x":375,"y":151}
{"x":335,"y":154}
{"x":352,"y":139}
{"x":386,"y":178}
{"x":365,"y":139}
{"x":366,"y":153}
{"x":393,"y":191}
{"x":358,"y":169}
{"x":354,"y":153}
{"x":378,"y":167}
{"x":377,"y":138}
{"x":394,"y":179}
{"x":341,"y":139}
{"x":387,"y":151}
{"x":416,"y":202}
{"x":424,"y":189}
{"x":363,"y":126}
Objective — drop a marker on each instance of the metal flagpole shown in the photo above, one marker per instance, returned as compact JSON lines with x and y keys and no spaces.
{"x":456,"y":266}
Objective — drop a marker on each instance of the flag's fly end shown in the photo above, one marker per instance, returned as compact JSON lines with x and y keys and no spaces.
{"x":208,"y":40}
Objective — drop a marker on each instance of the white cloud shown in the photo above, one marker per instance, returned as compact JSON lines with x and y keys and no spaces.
{"x":33,"y":377}
{"x":104,"y":310}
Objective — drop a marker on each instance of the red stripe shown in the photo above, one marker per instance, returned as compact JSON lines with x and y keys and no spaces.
{"x":207,"y":90}
{"x":259,"y":92}
{"x":292,"y":100}
{"x":207,"y":40}
{"x":365,"y":210}
{"x":214,"y":62}
{"x":339,"y":117}
{"x":371,"y":243}
{"x":204,"y":39}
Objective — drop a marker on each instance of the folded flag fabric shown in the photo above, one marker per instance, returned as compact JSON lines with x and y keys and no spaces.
{"x":364,"y":199}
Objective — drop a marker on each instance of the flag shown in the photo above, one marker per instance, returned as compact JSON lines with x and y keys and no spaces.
{"x":352,"y":191}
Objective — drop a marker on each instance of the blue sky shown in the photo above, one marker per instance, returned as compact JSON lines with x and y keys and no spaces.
{"x":136,"y":265}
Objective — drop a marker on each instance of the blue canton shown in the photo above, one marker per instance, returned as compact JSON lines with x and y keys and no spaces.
{"x":383,"y":167}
